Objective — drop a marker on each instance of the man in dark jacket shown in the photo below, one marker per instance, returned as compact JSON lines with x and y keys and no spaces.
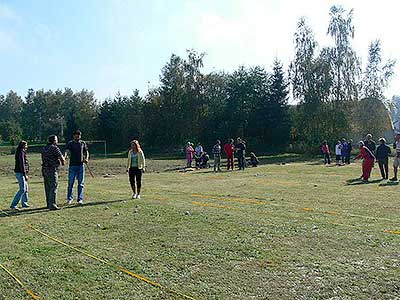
{"x":52,"y":158}
{"x":369,"y":143}
{"x":349,"y":149}
{"x":382,"y":156}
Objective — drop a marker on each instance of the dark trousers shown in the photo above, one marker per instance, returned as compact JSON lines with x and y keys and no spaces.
{"x":347,"y":160}
{"x":217,"y":163}
{"x":135,"y":179}
{"x":229,"y":163}
{"x":50,"y":178}
{"x":327,"y":158}
{"x":241,"y":162}
{"x":384,"y":167}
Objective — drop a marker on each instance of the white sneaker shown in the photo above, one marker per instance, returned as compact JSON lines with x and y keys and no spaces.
{"x":137,"y":196}
{"x":69,"y":202}
{"x":134,"y":196}
{"x":80,"y":202}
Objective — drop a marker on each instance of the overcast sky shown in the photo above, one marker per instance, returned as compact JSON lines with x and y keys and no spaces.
{"x":121,"y":45}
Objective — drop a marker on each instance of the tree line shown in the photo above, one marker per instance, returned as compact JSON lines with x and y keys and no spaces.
{"x":331,"y":97}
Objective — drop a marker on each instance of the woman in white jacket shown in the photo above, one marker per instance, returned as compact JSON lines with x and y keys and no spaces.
{"x":135,"y":167}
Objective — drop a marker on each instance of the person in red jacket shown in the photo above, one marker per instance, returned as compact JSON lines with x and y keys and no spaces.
{"x":229,"y":149}
{"x":368,"y":161}
{"x":326,"y":153}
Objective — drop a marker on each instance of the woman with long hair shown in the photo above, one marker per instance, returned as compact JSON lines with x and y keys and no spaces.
{"x":21,"y":173}
{"x":135,"y":167}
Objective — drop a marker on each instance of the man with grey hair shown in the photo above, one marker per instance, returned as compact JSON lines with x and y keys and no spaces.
{"x":52,"y":158}
{"x":369,"y":143}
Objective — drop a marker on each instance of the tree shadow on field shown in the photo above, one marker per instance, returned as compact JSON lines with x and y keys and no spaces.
{"x":389,"y":183}
{"x":358,"y":181}
{"x":31,"y":211}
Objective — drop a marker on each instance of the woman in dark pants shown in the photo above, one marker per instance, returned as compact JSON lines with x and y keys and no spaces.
{"x":135,"y":167}
{"x":21,"y":173}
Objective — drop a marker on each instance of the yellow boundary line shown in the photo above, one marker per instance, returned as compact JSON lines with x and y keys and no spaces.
{"x":251,"y":201}
{"x":308,"y":209}
{"x":392,"y":231}
{"x":137,"y":276}
{"x":28,"y":291}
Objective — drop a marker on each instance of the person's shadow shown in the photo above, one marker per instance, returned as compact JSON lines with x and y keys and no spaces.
{"x":389,"y":183}
{"x":353,"y":180}
{"x":29,"y":211}
{"x":359,"y":181}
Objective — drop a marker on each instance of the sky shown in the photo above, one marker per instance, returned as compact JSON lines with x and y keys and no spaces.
{"x":121,"y":45}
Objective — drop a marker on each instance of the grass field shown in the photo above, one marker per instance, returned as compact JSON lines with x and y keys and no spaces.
{"x":298,"y":230}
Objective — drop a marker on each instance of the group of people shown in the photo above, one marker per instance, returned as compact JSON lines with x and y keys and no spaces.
{"x":76,"y":151}
{"x":231,"y":150}
{"x":343,"y":150}
{"x":369,"y":152}
{"x":52,"y":158}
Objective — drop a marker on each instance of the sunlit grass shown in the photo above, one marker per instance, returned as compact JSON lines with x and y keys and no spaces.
{"x":294,"y":231}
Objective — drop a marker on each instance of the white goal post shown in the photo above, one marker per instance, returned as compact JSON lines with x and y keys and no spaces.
{"x":103,"y":144}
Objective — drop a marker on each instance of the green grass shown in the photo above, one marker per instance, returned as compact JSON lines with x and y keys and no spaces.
{"x":298,"y":230}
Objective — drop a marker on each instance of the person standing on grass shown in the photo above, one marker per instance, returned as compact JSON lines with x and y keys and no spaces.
{"x":369,"y":143}
{"x":229,"y":149}
{"x":135,"y":168}
{"x":240,"y":149}
{"x":189,"y":155}
{"x":217,"y":156}
{"x":78,"y":154}
{"x":344,"y":150}
{"x":349,"y":149}
{"x":368,"y":161}
{"x":21,"y":173}
{"x":396,"y":159}
{"x":52,"y":158}
{"x":326,"y":153}
{"x":382,"y":156}
{"x":338,"y":152}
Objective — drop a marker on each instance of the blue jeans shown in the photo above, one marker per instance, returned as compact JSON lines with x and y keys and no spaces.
{"x":79,"y":173}
{"x":22,"y":192}
{"x":241,"y":162}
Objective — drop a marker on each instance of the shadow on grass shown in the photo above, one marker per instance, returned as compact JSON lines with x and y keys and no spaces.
{"x":285,"y":158}
{"x":389,"y":183}
{"x":354,"y":180}
{"x":30,"y":211}
{"x":358,"y":181}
